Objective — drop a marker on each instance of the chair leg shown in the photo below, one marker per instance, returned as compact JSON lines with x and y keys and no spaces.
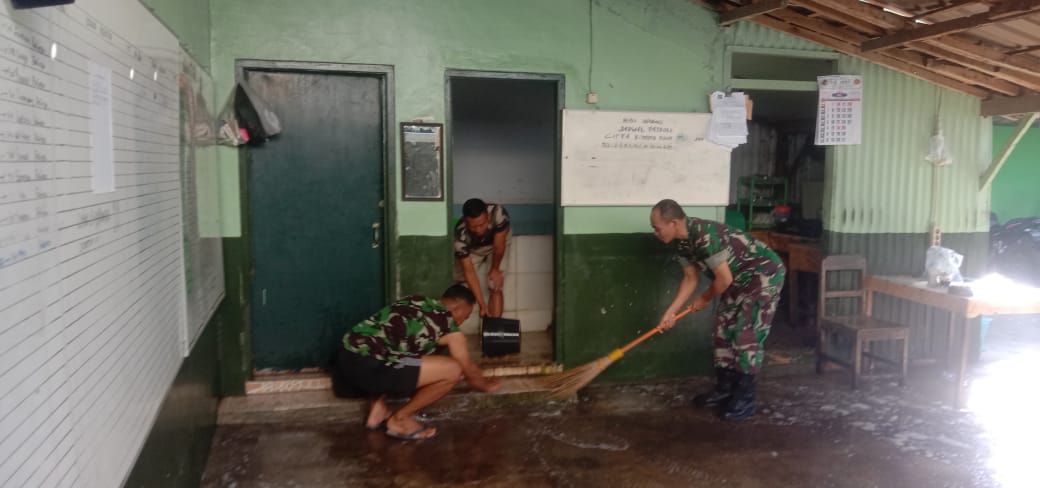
{"x":906,"y":360}
{"x":857,"y":361}
{"x":868,"y":347}
{"x":821,"y":336}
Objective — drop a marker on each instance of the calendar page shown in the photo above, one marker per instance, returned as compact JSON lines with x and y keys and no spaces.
{"x":840,"y":111}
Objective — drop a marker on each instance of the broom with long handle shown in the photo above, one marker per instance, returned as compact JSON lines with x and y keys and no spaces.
{"x":568,"y":383}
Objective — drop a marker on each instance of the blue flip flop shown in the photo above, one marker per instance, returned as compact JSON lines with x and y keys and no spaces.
{"x":381,"y":426}
{"x":412,"y":436}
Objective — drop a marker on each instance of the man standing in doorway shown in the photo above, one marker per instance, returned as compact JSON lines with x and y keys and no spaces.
{"x":747,"y":279}
{"x":482,"y":238}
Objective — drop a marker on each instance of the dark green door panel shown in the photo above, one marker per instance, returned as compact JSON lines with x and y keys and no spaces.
{"x":317,"y":217}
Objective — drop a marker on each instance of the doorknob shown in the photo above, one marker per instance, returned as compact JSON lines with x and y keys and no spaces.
{"x":375,"y":235}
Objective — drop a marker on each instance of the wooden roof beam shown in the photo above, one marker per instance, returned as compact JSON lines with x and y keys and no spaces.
{"x":848,"y":43}
{"x":854,"y":9}
{"x":1010,"y":105}
{"x":1009,"y":147}
{"x":966,"y":75}
{"x":1031,"y":82}
{"x":949,"y":6}
{"x":1020,"y":63}
{"x":1024,"y":50}
{"x":1003,"y":12}
{"x":825,"y":9}
{"x":1023,"y":63}
{"x":750,"y":11}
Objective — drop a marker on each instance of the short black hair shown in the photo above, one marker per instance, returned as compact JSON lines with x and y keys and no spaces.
{"x":473,"y":208}
{"x":670,"y":210}
{"x":460,"y":292}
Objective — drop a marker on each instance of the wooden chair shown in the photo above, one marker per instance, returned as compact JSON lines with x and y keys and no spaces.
{"x":855,"y":322}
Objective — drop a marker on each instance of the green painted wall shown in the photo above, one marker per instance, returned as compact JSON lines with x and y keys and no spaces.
{"x":1016,"y":185}
{"x":615,"y":287}
{"x":189,"y":20}
{"x":424,"y":264}
{"x":664,"y":55}
{"x":175,"y":453}
{"x":675,"y":40}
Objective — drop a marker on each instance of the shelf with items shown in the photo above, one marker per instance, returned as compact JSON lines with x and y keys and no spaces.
{"x":757,"y":197}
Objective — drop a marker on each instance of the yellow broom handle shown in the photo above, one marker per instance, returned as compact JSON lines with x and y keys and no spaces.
{"x":655,"y":330}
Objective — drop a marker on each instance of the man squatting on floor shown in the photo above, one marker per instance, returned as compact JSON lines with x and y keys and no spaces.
{"x":391,"y":353}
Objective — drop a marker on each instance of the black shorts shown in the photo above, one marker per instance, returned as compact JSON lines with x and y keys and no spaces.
{"x":363,"y":376}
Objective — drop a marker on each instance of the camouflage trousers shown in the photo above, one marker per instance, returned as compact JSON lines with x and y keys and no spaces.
{"x":742,"y":322}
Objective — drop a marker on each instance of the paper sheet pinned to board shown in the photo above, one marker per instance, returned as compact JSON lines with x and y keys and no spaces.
{"x":728,"y":125}
{"x":102,"y":166}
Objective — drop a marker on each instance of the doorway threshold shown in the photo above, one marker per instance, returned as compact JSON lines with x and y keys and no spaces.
{"x":534,"y":359}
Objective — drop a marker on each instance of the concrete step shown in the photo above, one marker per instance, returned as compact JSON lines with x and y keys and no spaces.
{"x":322,"y":406}
{"x":320,"y":381}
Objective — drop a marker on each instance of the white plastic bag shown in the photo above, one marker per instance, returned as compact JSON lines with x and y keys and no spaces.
{"x":943,"y":266}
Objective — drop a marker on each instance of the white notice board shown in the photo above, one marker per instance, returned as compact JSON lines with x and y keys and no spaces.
{"x":639,"y":158}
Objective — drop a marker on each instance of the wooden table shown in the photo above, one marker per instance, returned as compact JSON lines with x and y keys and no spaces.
{"x":800,"y":254}
{"x":989,"y":298}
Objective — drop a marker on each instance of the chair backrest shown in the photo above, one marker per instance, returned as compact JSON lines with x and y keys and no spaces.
{"x":839,"y":284}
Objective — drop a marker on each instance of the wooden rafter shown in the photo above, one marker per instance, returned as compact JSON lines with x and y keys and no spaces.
{"x":751,"y":10}
{"x":1024,"y":50}
{"x":973,"y":77}
{"x":961,"y":62}
{"x":1010,"y":106}
{"x":1002,"y":12}
{"x":824,"y":9}
{"x":1031,"y":82}
{"x":1009,"y":147}
{"x":949,"y":6}
{"x":847,"y":42}
{"x":992,"y":55}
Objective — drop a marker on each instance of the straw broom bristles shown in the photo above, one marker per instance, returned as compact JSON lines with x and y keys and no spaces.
{"x":568,"y":383}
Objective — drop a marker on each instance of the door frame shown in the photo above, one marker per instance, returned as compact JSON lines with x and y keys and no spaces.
{"x":242,"y":270}
{"x":449,"y":172}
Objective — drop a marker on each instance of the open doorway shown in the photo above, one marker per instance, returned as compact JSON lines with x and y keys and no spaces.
{"x":504,"y":137}
{"x":777,"y":178}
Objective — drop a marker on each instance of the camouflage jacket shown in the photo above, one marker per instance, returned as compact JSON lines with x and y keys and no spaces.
{"x":753,"y":264}
{"x":409,"y":327}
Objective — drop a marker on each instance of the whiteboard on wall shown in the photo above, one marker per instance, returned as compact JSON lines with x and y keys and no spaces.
{"x":92,"y":286}
{"x":639,"y":158}
{"x":203,"y":253}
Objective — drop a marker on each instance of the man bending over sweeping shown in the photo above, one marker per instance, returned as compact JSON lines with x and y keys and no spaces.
{"x":747,"y":279}
{"x":391,"y":353}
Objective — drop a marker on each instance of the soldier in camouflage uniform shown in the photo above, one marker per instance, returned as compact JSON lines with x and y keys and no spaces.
{"x":391,"y":352}
{"x":747,"y":279}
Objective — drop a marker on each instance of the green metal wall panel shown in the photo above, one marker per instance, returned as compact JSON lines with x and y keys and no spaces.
{"x":749,"y":34}
{"x":1015,"y":187}
{"x":884,"y":184}
{"x":904,"y":254}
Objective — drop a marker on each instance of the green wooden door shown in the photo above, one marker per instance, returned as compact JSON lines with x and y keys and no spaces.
{"x":316,"y":195}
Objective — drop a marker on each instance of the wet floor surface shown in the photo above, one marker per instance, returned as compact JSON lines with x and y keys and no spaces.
{"x":810,"y":431}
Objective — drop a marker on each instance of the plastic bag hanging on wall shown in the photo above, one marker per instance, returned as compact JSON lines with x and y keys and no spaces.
{"x":246,"y":118}
{"x":229,"y":131}
{"x":255,"y":115}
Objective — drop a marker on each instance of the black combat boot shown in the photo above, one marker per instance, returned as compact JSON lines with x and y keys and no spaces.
{"x":741,"y":404}
{"x":721,"y":393}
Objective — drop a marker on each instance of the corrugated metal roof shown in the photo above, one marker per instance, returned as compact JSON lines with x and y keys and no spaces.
{"x":995,"y":54}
